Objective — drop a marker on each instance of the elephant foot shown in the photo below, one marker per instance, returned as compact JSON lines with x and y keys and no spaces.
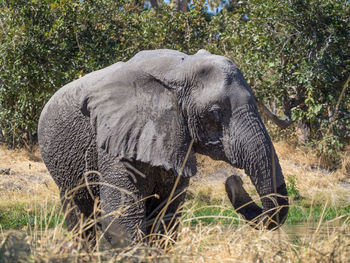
{"x":116,"y":236}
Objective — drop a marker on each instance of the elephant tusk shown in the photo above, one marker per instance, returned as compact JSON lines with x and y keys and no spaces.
{"x":212,"y":143}
{"x":134,"y":169}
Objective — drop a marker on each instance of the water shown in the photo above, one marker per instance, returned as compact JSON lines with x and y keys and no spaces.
{"x":310,"y":229}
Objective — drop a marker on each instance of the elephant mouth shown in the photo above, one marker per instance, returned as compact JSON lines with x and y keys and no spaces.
{"x":257,"y":217}
{"x":213,"y":143}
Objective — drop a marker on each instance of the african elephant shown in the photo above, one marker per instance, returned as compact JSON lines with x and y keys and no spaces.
{"x":139,"y":124}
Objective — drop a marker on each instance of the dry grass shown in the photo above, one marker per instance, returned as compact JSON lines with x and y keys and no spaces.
{"x":217,"y":244}
{"x":29,"y":175}
{"x":201,"y":243}
{"x":344,"y":171}
{"x":21,"y":161}
{"x":27,"y":179}
{"x":196,"y":243}
{"x":312,"y":181}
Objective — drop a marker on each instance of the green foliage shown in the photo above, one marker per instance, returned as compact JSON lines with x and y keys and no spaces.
{"x":300,"y":212}
{"x":209,"y":214}
{"x":292,"y":190}
{"x":46,"y":44}
{"x":21,"y":215}
{"x":293,"y":53}
{"x":318,"y":213}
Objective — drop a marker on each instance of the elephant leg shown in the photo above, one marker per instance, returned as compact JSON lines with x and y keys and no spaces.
{"x":79,"y":200}
{"x":68,"y":148}
{"x":122,"y":216}
{"x":77,"y":213}
{"x":122,"y":195}
{"x":169,"y":222}
{"x":71,"y":212}
{"x":88,"y":225}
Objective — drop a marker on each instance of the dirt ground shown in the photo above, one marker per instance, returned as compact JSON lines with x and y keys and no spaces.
{"x":23,"y":174}
{"x":24,"y":179}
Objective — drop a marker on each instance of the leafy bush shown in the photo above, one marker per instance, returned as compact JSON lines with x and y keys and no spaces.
{"x":292,"y":190}
{"x":46,"y":44}
{"x":295,"y":54}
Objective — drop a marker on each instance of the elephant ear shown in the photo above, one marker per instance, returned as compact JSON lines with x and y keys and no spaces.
{"x":137,"y":117}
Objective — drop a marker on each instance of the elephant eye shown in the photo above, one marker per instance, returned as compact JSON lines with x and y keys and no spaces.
{"x":214,"y":114}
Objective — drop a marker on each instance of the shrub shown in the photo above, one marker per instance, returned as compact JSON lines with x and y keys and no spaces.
{"x":294,"y":54}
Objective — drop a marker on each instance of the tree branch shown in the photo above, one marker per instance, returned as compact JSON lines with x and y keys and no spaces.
{"x":283,"y":124}
{"x":337,"y":105}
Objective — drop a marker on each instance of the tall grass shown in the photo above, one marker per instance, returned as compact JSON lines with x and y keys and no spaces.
{"x":210,"y":231}
{"x":215,"y":241}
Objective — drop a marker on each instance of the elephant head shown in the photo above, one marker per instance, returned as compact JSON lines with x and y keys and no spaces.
{"x":151,"y":107}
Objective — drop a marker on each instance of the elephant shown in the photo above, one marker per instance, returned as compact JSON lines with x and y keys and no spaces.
{"x":126,"y":137}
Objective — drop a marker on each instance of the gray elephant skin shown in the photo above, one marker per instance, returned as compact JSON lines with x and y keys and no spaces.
{"x":134,"y":123}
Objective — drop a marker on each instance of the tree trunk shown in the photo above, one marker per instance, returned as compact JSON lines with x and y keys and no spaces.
{"x":154,"y":3}
{"x":303,"y":131}
{"x":181,"y":5}
{"x":2,"y":137}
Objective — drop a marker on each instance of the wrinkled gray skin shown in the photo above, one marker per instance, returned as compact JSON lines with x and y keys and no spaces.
{"x":144,"y":114}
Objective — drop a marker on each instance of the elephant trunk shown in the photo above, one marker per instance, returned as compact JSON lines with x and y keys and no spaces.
{"x":247,"y":145}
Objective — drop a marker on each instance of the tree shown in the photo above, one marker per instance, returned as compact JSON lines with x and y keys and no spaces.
{"x":295,"y":55}
{"x":182,"y":5}
{"x":44,"y":45}
{"x":154,"y":3}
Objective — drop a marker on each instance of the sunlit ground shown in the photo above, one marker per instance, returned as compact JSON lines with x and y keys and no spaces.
{"x":317,"y":228}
